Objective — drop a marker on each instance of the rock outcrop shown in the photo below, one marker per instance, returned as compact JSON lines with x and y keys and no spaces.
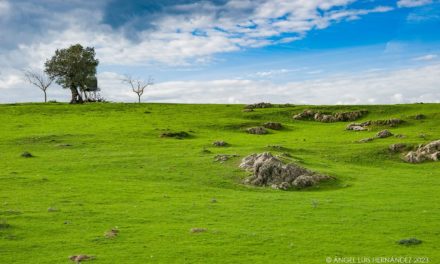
{"x":273,"y":125}
{"x":257,"y":130}
{"x":384,"y":134}
{"x":258,"y":105}
{"x":268,"y":170}
{"x":430,"y":151}
{"x":364,"y":125}
{"x":328,"y":118}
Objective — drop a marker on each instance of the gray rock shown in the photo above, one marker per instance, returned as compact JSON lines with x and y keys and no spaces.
{"x":257,"y":130}
{"x":384,"y":134}
{"x":268,"y":170}
{"x":423,"y":153}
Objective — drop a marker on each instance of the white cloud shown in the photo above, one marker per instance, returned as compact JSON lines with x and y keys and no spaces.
{"x":413,"y":3}
{"x":378,"y":87}
{"x":426,"y":57}
{"x":172,"y":41}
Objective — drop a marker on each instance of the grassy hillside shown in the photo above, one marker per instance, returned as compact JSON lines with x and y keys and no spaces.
{"x":101,"y":166}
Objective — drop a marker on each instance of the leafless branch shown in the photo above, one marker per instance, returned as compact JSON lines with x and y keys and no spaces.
{"x":138,"y":86}
{"x":40,"y":80}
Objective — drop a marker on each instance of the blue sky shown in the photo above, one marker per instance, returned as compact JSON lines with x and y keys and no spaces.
{"x":233,"y":51}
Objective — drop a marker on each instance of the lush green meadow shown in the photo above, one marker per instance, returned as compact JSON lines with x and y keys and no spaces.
{"x":100,"y":166}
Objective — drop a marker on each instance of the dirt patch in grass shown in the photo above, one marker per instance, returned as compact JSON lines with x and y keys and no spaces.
{"x":409,"y":242}
{"x":177,"y":135}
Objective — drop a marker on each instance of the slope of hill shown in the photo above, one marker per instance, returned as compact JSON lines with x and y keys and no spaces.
{"x":102,"y":166}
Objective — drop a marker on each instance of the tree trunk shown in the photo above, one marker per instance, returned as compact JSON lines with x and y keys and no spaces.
{"x":45,"y":97}
{"x":139,"y":98}
{"x":76,"y":97}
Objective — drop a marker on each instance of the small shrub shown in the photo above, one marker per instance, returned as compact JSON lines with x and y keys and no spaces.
{"x":27,"y":154}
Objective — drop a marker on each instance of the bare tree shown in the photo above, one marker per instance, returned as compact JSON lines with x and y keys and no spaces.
{"x":40,"y":80}
{"x":138,"y":86}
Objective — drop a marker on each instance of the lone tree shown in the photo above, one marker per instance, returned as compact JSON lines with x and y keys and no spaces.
{"x":138,"y":86}
{"x":41,"y":80}
{"x":73,"y":68}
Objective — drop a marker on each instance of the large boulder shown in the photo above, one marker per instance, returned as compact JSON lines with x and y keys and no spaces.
{"x":430,"y":151}
{"x":268,"y":170}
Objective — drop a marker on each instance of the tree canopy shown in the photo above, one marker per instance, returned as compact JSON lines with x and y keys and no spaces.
{"x":74,"y":68}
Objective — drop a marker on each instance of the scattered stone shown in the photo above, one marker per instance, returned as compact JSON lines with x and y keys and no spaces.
{"x":64,"y":145}
{"x":197,"y":230}
{"x":80,"y":258}
{"x":273,"y":125}
{"x":268,"y":170}
{"x":224,"y":157}
{"x":400,"y":136}
{"x":409,"y":242}
{"x":430,"y":151}
{"x":27,"y":154}
{"x":398,"y":147}
{"x":285,"y":155}
{"x":419,"y":117}
{"x":178,"y":135}
{"x":355,"y":127}
{"x":247,"y":110}
{"x":220,"y":143}
{"x":365,"y":140}
{"x":52,"y":209}
{"x":213,"y":200}
{"x":112,"y":233}
{"x":328,"y":118}
{"x":257,"y":130}
{"x":384,"y":134}
{"x":258,"y":105}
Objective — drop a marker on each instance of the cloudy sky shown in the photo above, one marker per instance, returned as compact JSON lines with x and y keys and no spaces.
{"x":233,"y":51}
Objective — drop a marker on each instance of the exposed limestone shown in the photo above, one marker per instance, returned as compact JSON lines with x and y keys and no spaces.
{"x":398,"y":147}
{"x":364,"y":125}
{"x":384,"y":134}
{"x":365,"y":140}
{"x":257,"y":130}
{"x":273,"y":125}
{"x":224,"y":157}
{"x":258,"y":105}
{"x":430,"y":151}
{"x":220,"y":143}
{"x":268,"y":170}
{"x":328,"y":118}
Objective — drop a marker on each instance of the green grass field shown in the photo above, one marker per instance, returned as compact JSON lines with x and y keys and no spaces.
{"x":119,"y":172}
